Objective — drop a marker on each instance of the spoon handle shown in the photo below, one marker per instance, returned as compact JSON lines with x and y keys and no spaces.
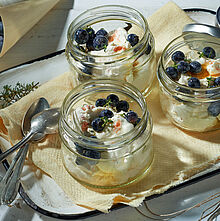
{"x":10,"y":190}
{"x":10,"y":183}
{"x":16,"y":146}
{"x":6,"y":177}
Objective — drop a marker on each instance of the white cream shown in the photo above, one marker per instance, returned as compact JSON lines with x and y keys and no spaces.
{"x":117,"y":43}
{"x":87,"y":113}
{"x":192,"y":116}
{"x":213,"y":67}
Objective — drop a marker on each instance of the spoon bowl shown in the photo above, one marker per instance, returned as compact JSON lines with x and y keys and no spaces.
{"x":37,"y":129}
{"x":37,"y":107}
{"x":44,"y":123}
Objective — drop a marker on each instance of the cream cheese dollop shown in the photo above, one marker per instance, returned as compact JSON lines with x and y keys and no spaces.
{"x":116,"y":44}
{"x":87,"y":113}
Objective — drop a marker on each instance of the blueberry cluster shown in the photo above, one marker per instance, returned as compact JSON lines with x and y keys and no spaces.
{"x":182,"y":66}
{"x":97,"y":41}
{"x":104,"y":118}
{"x":1,"y":34}
{"x":94,"y":41}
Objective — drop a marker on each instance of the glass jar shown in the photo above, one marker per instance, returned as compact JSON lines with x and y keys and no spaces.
{"x":193,"y":109}
{"x":108,"y":162}
{"x":136,"y":65}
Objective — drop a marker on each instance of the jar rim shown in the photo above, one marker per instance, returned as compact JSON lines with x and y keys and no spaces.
{"x":127,"y":137}
{"x":139,"y":45}
{"x":171,"y":45}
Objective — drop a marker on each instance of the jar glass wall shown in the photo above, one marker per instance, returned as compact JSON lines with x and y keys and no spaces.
{"x":136,"y":64}
{"x":191,"y":108}
{"x":112,"y":160}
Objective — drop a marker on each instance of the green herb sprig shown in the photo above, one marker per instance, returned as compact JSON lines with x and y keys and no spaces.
{"x":10,"y":94}
{"x":107,"y":121}
{"x":210,"y":81}
{"x":201,"y":54}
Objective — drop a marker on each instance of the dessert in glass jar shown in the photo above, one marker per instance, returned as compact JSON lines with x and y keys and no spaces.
{"x":112,"y":42}
{"x":106,"y":133}
{"x":189,"y":77}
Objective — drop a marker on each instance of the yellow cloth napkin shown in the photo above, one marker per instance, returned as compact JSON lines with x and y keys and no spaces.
{"x":178,"y":154}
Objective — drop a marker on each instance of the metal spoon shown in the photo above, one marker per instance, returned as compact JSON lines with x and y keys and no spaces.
{"x":38,"y":106}
{"x":10,"y":182}
{"x":43,"y":123}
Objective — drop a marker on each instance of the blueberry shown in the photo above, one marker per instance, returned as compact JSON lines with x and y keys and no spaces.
{"x":85,"y":77}
{"x":133,"y":39}
{"x":1,"y":28}
{"x":87,"y":153}
{"x":194,"y":82}
{"x":87,"y":70}
{"x":100,"y":42}
{"x":177,"y":56}
{"x":89,"y":45}
{"x":173,"y":73}
{"x":90,"y":153}
{"x":209,"y":52}
{"x":138,"y":120}
{"x":113,"y":99}
{"x":106,"y":113}
{"x":217,"y":81}
{"x":148,"y":50}
{"x":98,"y":124}
{"x":131,"y":117}
{"x":183,"y":67}
{"x":1,"y":42}
{"x":183,"y":90}
{"x":91,"y":33}
{"x":100,"y":102}
{"x":102,"y":32}
{"x":122,"y":106}
{"x":195,"y":67}
{"x":214,"y":109}
{"x":81,"y":36}
{"x":213,"y":93}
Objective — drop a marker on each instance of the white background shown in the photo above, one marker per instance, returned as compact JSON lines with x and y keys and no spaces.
{"x":48,"y":36}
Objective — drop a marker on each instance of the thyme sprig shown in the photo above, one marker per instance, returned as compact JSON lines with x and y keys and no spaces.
{"x":11,"y":94}
{"x":107,"y":121}
{"x":210,"y":80}
{"x":201,"y":54}
{"x":108,"y":103}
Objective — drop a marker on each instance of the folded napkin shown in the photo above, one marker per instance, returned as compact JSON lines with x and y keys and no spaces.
{"x":178,"y":154}
{"x":15,"y":23}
